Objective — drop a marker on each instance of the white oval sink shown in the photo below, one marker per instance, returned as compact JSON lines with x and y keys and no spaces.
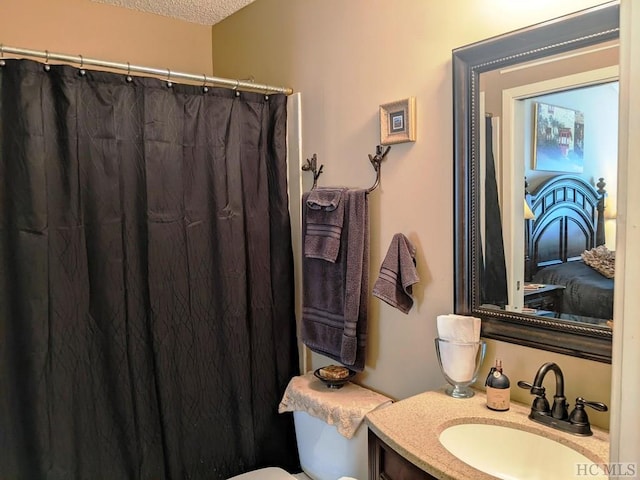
{"x":510,"y":454}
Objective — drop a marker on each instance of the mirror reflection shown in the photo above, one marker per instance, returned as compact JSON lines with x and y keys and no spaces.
{"x":521,"y":142}
{"x":548,"y":183}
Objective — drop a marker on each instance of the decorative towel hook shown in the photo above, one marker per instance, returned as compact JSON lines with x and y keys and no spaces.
{"x":312,"y":165}
{"x":376,"y":161}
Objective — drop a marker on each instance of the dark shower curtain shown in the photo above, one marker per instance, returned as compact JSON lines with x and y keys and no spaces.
{"x":494,"y":271}
{"x":146,"y":281}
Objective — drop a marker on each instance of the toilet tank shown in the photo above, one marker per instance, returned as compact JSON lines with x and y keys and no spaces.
{"x":327,"y":455}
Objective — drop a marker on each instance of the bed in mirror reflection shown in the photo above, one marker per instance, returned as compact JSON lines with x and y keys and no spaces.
{"x":509,"y":92}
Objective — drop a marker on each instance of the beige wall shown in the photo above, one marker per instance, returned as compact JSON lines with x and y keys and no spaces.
{"x":82,"y":27}
{"x":625,"y":418}
{"x":347,"y":58}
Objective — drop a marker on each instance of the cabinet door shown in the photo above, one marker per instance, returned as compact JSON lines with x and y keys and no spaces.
{"x":387,"y":464}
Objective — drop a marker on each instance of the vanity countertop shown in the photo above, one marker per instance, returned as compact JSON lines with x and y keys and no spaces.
{"x":412,"y":427}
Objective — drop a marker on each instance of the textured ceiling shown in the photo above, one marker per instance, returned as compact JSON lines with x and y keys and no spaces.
{"x":205,"y":12}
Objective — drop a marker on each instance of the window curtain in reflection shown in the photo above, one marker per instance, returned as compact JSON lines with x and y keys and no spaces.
{"x":494,"y":271}
{"x":147,"y":324}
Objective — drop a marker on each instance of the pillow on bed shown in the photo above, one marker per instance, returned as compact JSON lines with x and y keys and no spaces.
{"x":601,"y":259}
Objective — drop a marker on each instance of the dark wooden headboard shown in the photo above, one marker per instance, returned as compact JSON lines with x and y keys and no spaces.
{"x":569,"y":219}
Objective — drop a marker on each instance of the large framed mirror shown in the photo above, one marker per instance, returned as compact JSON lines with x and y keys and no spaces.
{"x":535,"y":151}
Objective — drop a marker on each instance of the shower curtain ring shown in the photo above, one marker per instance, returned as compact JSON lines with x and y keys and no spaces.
{"x":236,"y":88}
{"x":2,"y":62}
{"x":47,"y":67}
{"x":82,"y":70}
{"x":205,"y":89}
{"x":169,"y":83}
{"x":128,"y":77}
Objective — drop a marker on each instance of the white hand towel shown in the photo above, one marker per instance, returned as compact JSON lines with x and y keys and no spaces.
{"x":458,"y":361}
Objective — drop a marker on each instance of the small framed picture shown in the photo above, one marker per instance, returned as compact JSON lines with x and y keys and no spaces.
{"x":398,"y":121}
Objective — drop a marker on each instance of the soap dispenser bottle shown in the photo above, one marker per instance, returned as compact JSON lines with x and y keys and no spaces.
{"x":498,"y":389}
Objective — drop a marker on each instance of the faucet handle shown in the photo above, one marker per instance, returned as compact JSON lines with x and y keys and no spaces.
{"x":535,"y":390}
{"x":601,"y":407}
{"x":540,"y":403}
{"x":523,"y":384}
{"x":579,"y":416}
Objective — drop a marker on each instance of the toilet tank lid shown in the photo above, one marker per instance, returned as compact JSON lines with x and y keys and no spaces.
{"x":345,"y":407}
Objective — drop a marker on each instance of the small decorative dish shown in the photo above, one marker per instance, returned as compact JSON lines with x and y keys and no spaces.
{"x":334,"y":383}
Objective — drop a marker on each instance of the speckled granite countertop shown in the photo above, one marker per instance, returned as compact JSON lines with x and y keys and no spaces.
{"x":412,"y":427}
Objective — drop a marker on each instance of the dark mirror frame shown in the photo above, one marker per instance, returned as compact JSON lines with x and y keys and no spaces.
{"x":581,"y":29}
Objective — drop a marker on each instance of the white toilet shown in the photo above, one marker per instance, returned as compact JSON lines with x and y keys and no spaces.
{"x":325,"y":454}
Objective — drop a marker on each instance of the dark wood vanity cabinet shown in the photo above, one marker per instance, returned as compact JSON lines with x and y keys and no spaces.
{"x":387,"y":464}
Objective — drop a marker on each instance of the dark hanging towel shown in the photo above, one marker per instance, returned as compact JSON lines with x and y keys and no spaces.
{"x":494,"y":271}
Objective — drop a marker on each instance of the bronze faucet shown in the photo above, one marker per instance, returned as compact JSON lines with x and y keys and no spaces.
{"x":557,"y":416}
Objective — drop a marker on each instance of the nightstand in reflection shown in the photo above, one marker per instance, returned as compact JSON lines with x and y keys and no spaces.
{"x":543,"y":297}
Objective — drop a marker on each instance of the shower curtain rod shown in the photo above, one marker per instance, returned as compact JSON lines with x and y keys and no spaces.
{"x":127,"y":67}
